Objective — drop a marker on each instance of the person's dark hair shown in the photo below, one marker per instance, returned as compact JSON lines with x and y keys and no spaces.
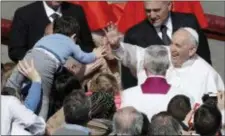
{"x":66,"y":25}
{"x":10,"y":91}
{"x":2,"y":66}
{"x":102,"y":105}
{"x":65,"y":83}
{"x":76,"y":107}
{"x":146,"y":125}
{"x":179,"y":106}
{"x":207,"y":119}
{"x":164,"y":124}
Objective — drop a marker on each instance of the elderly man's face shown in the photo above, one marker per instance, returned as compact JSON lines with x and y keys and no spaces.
{"x":181,"y":48}
{"x":54,"y":4}
{"x":157,"y":11}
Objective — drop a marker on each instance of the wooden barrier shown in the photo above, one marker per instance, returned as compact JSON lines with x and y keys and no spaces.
{"x":216,"y":28}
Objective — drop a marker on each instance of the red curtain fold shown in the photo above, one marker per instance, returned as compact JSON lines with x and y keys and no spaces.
{"x":191,"y":7}
{"x":133,"y":14}
{"x":5,"y":27}
{"x":118,"y":9}
{"x":98,"y":13}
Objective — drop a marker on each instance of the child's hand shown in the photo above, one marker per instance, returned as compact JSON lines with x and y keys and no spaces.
{"x":29,"y":70}
{"x":100,"y":51}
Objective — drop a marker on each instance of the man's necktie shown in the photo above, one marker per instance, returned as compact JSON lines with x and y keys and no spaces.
{"x":165,"y":37}
{"x":54,"y":16}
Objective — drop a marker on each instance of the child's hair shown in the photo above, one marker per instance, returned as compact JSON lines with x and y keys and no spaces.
{"x":104,"y":82}
{"x":66,"y":25}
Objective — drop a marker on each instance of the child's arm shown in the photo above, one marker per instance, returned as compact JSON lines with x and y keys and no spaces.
{"x":86,"y":58}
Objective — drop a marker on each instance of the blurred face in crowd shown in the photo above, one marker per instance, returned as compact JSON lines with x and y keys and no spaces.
{"x":157,"y":11}
{"x":181,"y":48}
{"x":54,"y":4}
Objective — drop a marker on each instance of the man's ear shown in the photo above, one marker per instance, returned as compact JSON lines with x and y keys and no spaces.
{"x":192,"y":50}
{"x":170,"y":5}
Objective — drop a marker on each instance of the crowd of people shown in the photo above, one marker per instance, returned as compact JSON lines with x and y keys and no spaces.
{"x":64,"y":82}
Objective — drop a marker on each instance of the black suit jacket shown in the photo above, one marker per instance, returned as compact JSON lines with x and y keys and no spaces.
{"x":144,"y":34}
{"x":29,"y":25}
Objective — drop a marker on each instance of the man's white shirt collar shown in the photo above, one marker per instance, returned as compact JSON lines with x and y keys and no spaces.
{"x":49,"y":11}
{"x":189,"y":62}
{"x":169,"y":26}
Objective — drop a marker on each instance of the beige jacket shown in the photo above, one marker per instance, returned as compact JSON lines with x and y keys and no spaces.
{"x":96,"y":126}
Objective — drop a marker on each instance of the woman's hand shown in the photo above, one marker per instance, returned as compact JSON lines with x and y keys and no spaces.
{"x":29,"y":71}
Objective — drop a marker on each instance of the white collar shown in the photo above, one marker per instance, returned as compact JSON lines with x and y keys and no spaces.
{"x":49,"y":11}
{"x":167,"y":23}
{"x":189,"y":62}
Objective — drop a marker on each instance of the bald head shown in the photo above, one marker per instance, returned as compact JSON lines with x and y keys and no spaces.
{"x":128,"y":121}
{"x":157,"y":11}
{"x":164,"y":124}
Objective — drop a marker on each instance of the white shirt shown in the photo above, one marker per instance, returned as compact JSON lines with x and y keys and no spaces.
{"x":15,"y":117}
{"x":196,"y":76}
{"x":150,"y":104}
{"x":49,"y":11}
{"x":169,"y":26}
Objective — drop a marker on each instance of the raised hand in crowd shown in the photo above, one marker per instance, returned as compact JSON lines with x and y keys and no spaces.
{"x":100,"y":51}
{"x":221,"y":100}
{"x":113,"y":35}
{"x":188,"y":117}
{"x":28,"y":70}
{"x":188,"y":121}
{"x":105,"y":43}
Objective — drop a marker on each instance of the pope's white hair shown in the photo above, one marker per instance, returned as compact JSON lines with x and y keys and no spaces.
{"x":194,"y":38}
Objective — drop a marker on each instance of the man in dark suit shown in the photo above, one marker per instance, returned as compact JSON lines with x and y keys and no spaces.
{"x":30,"y":21}
{"x":158,"y":28}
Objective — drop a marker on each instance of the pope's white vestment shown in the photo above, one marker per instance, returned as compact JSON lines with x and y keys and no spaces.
{"x":196,"y":76}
